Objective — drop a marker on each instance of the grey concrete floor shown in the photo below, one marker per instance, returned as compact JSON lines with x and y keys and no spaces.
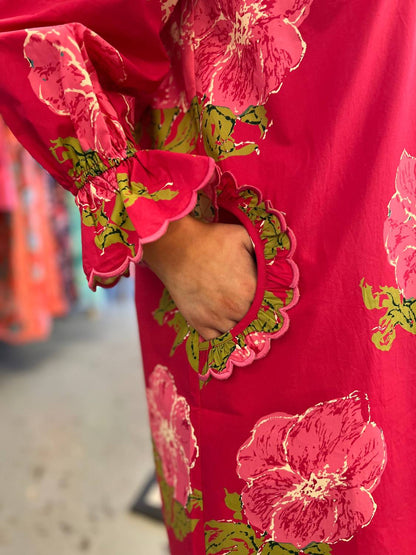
{"x":75,"y":446}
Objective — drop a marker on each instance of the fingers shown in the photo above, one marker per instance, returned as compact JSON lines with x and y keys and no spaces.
{"x":221,"y":326}
{"x":209,"y":332}
{"x":214,"y":287}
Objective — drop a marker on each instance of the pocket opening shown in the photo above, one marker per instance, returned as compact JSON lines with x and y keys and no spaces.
{"x":238,"y":216}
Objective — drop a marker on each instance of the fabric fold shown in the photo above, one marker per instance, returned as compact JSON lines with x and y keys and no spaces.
{"x":85,"y":98}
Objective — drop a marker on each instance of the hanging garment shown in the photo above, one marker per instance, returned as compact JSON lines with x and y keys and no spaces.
{"x":7,"y":190}
{"x":294,"y":431}
{"x":31,"y":280}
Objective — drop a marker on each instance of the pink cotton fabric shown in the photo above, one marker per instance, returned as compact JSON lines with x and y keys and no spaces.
{"x":307,"y":472}
{"x":294,"y":431}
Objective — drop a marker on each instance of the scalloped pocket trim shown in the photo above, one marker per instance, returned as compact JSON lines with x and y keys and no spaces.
{"x":277,"y":283}
{"x":276,"y":292}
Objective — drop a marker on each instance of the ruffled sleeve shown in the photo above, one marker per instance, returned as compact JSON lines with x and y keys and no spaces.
{"x":73,"y":94}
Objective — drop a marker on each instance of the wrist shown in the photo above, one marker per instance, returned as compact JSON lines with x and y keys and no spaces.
{"x":169,"y":249}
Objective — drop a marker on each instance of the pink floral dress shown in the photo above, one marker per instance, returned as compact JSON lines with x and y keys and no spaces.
{"x":294,"y":432}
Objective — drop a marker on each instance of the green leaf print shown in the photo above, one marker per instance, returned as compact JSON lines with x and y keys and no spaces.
{"x":131,"y":191}
{"x":176,"y":516}
{"x":278,"y":242}
{"x":110,"y":232}
{"x":230,"y":537}
{"x":95,"y":218}
{"x":166,"y":305}
{"x":220,"y":353}
{"x":174,"y":130}
{"x":192,"y":349}
{"x":167,"y":313}
{"x":233,"y":502}
{"x":111,"y":235}
{"x":119,"y":215}
{"x":266,"y":320}
{"x":217,"y":126}
{"x":250,"y":206}
{"x":256,"y":115}
{"x":84,"y":164}
{"x":225,"y":536}
{"x":180,"y":325}
{"x":273,"y":548}
{"x":178,"y":131}
{"x":397,"y":312}
{"x":181,"y":524}
{"x":195,"y":500}
{"x":318,"y":549}
{"x":275,"y":239}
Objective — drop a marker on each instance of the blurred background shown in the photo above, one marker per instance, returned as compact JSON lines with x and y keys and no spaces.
{"x":75,"y":447}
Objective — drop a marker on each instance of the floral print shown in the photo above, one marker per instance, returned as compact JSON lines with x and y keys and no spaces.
{"x":277,"y":291}
{"x":215,"y":129}
{"x":60,"y":78}
{"x":175,"y":452}
{"x":397,"y":312}
{"x":83,"y":165}
{"x":398,"y":304}
{"x":400,"y":227}
{"x":181,"y":519}
{"x":224,"y":134}
{"x":236,"y":535}
{"x":75,"y":73}
{"x":240,"y":51}
{"x":310,"y":477}
{"x":244,"y":49}
{"x":115,"y":195}
{"x":172,"y":432}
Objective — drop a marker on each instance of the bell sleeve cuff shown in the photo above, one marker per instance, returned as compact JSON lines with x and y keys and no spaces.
{"x":74,"y":101}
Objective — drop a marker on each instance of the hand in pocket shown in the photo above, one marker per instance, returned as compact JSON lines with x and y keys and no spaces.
{"x":209,"y":270}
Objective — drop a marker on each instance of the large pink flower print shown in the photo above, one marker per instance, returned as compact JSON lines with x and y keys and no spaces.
{"x":309,"y":478}
{"x":172,"y":432}
{"x":244,"y":48}
{"x":400,"y":227}
{"x":63,"y":77}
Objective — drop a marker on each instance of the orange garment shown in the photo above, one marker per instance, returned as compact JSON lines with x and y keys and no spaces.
{"x":31,"y":289}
